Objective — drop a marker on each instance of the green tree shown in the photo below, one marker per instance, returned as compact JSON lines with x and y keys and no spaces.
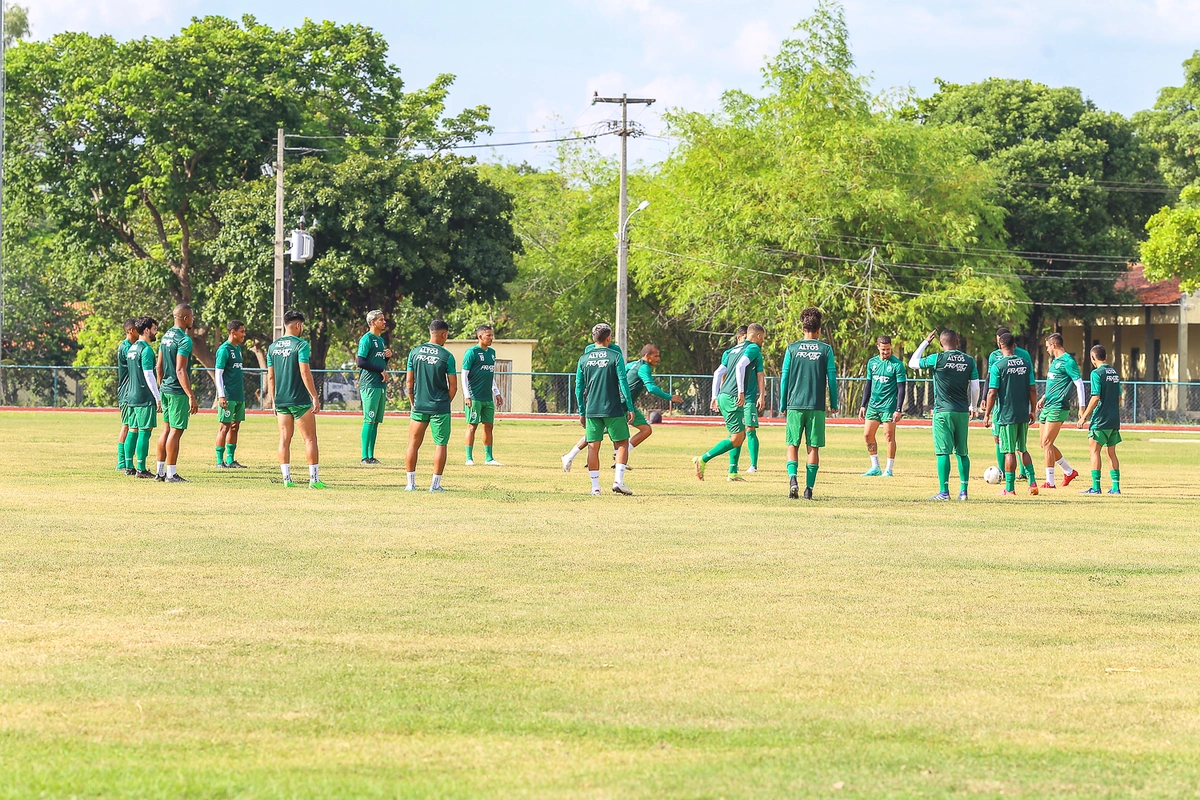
{"x":16,"y":23}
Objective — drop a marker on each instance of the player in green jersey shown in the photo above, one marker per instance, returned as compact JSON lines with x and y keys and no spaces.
{"x":178,"y":400}
{"x":142,"y":396}
{"x":883,"y":399}
{"x":294,"y":395}
{"x":993,"y":357}
{"x":432,"y":384}
{"x":640,"y":377}
{"x":480,"y":393}
{"x":1102,"y":418}
{"x":1053,"y":409}
{"x":1013,"y":397}
{"x":718,"y":377}
{"x":569,"y":458}
{"x":738,"y":385}
{"x":605,"y":405}
{"x":124,"y":463}
{"x":809,"y":373}
{"x":955,"y":390}
{"x":231,"y":395}
{"x":371,"y":358}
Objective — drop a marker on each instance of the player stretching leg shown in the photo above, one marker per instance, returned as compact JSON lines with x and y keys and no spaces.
{"x":432,"y":384}
{"x":640,"y":377}
{"x":371,"y":358}
{"x":142,"y":396}
{"x":124,"y":462}
{"x":605,"y":405}
{"x":734,"y":395}
{"x":1012,"y":395}
{"x":809,"y":372}
{"x":231,"y":396}
{"x":955,"y":389}
{"x":739,"y":336}
{"x":883,"y":397}
{"x":1053,"y":410}
{"x":290,"y":384}
{"x":1104,"y":411}
{"x":178,"y":401}
{"x":993,"y":357}
{"x":480,"y":393}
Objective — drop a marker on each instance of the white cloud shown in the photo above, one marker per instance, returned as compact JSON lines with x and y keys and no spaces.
{"x":754,"y":43}
{"x":667,"y":34}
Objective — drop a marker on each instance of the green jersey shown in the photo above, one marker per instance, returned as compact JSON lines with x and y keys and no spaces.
{"x":431,"y":365}
{"x":140,"y":360}
{"x":734,"y":355}
{"x":480,"y":365}
{"x":808,"y":373}
{"x":1106,"y":384}
{"x":1059,"y":380}
{"x":285,"y":355}
{"x":883,"y":379}
{"x":175,"y":342}
{"x":123,"y":370}
{"x":640,"y":377}
{"x":600,"y":386}
{"x":1011,"y":377}
{"x":953,"y":374}
{"x":371,"y":348}
{"x":229,"y":361}
{"x":1020,"y":352}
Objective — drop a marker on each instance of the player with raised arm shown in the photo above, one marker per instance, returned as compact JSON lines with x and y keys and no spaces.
{"x":718,"y":377}
{"x":1013,"y":397}
{"x":809,"y":374}
{"x":178,"y":400}
{"x":142,"y":397}
{"x":124,"y":462}
{"x":640,"y":377}
{"x":883,"y":398}
{"x":605,"y":405}
{"x":1053,"y":409}
{"x":480,"y":393}
{"x":734,"y":394}
{"x":432,"y":384}
{"x":371,"y":359}
{"x":993,"y":357}
{"x":291,"y":386}
{"x":231,"y":395}
{"x":1104,"y":413}
{"x":955,"y":390}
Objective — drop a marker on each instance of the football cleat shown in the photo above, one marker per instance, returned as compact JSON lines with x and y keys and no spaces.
{"x":1048,"y":486}
{"x":620,"y":488}
{"x":887,"y":473}
{"x":941,"y":496}
{"x":410,"y":488}
{"x":1007,"y":493}
{"x":176,"y":478}
{"x":161,"y":478}
{"x":567,"y":460}
{"x":1021,"y":476}
{"x":962,"y":495}
{"x":700,"y":467}
{"x":438,"y":488}
{"x":494,"y":463}
{"x":131,"y":471}
{"x":289,"y":484}
{"x":1068,"y":478}
{"x":141,"y":473}
{"x":1092,"y":491}
{"x":221,"y":465}
{"x":1033,"y":488}
{"x":733,"y":477}
{"x":1114,"y":491}
{"x":316,"y":485}
{"x":808,"y":493}
{"x":794,"y":490}
{"x":873,"y":472}
{"x":469,"y":463}
{"x":596,"y":492}
{"x":235,"y":465}
{"x":751,"y":470}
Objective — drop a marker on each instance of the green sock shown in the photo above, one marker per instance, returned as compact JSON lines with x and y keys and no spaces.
{"x":365,"y":437}
{"x":964,"y":470}
{"x":1010,"y":481}
{"x":1096,"y":480}
{"x":371,"y":442}
{"x":1115,"y":474}
{"x":723,"y":446}
{"x":810,"y":474}
{"x":143,"y":447}
{"x":229,"y":448}
{"x":487,"y":450}
{"x":999,"y":458}
{"x":220,"y":455}
{"x":734,"y":456}
{"x":752,"y":435}
{"x":121,"y":462}
{"x":470,"y":452}
{"x":131,"y":440}
{"x":1030,"y":475}
{"x":943,"y":464}
{"x":793,"y":467}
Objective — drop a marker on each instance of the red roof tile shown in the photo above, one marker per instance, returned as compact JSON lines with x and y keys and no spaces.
{"x":1151,"y":294}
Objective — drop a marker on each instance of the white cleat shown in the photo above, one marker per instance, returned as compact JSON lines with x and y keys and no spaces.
{"x":492,"y":463}
{"x":437,"y":488}
{"x":596,"y":492}
{"x":410,"y":488}
{"x":751,"y":470}
{"x":567,"y":461}
{"x":620,"y":488}
{"x":469,"y":463}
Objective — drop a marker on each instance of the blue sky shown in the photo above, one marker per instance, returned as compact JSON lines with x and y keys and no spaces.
{"x":536,"y":63}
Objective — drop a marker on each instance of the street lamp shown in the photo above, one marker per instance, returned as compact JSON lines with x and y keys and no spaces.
{"x":623,"y":278}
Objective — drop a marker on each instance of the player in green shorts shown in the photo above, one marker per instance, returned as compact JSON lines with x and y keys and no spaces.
{"x":640,"y":377}
{"x":1013,"y":397}
{"x":569,"y":458}
{"x":294,"y":395}
{"x":178,"y":400}
{"x":955,"y":389}
{"x":809,"y":373}
{"x":738,"y":387}
{"x":142,"y":397}
{"x":1103,"y":412}
{"x":371,"y":358}
{"x":883,"y":397}
{"x":1053,"y":409}
{"x":231,"y":395}
{"x":605,"y":405}
{"x":718,"y":377}
{"x":480,"y":393}
{"x":994,"y":356}
{"x":124,"y":463}
{"x":432,"y":384}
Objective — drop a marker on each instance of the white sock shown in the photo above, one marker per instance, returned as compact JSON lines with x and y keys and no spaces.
{"x":314,"y":471}
{"x":170,"y":470}
{"x":571,"y":455}
{"x":875,"y":461}
{"x":594,"y":474}
{"x":891,"y":462}
{"x":621,"y":474}
{"x":286,"y":469}
{"x":1050,"y":475}
{"x":412,"y":480}
{"x":436,"y":482}
{"x":1062,"y":462}
{"x":631,"y":446}
{"x":161,"y":469}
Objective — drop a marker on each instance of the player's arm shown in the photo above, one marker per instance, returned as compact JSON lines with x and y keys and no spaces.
{"x":1032,"y":402}
{"x":739,"y":374}
{"x":866,"y":400}
{"x":451,"y":377}
{"x":158,"y":365}
{"x":311,"y":385}
{"x":1087,"y":411}
{"x":785,"y":375}
{"x":271,"y":382}
{"x":148,"y":366}
{"x":762,"y":384}
{"x":915,"y":361}
{"x":468,"y":362}
{"x":579,"y":390}
{"x":718,"y":377}
{"x":831,"y":381}
{"x":497,"y":398}
{"x":993,"y":393}
{"x":623,"y":382}
{"x":647,"y":376}
{"x":410,"y":378}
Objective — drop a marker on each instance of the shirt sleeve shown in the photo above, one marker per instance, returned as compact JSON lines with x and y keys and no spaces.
{"x":974,"y":370}
{"x":739,"y":372}
{"x":579,"y":393}
{"x":469,"y":359}
{"x":1073,"y":370}
{"x":304,"y":353}
{"x":784,"y":375}
{"x":647,"y":376}
{"x":994,"y":376}
{"x":623,"y":382}
{"x":929,"y":362}
{"x":148,"y":358}
{"x":901,"y":374}
{"x":222,"y":358}
{"x":831,"y":376}
{"x":364,"y":346}
{"x":1097,"y":384}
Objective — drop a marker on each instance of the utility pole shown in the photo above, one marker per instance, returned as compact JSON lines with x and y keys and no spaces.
{"x":3,"y":75}
{"x":277,"y":325}
{"x":623,"y":217}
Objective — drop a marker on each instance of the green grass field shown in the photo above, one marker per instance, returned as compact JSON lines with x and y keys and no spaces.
{"x":517,"y":638}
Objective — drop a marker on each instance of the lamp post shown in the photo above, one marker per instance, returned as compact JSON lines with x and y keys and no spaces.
{"x":623,"y":278}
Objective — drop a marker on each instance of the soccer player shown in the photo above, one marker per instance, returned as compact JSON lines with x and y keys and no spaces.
{"x":993,"y":357}
{"x":581,"y":445}
{"x":142,"y":398}
{"x":882,"y":400}
{"x":124,"y":463}
{"x":480,"y":393}
{"x":1011,"y":394}
{"x":808,"y":374}
{"x":733,"y":395}
{"x":955,"y":389}
{"x":178,"y":400}
{"x":290,"y":384}
{"x":231,"y":395}
{"x":432,"y":384}
{"x":1104,"y":412}
{"x":1053,"y":410}
{"x":640,"y":377}
{"x":605,"y":405}
{"x":751,"y":409}
{"x":372,"y":357}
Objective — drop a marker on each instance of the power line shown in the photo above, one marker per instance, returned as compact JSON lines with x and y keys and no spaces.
{"x":460,"y":146}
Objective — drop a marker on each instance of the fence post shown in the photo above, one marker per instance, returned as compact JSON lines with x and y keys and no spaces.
{"x":54,"y":372}
{"x":570,"y":394}
{"x":670,"y":387}
{"x":1135,"y":404}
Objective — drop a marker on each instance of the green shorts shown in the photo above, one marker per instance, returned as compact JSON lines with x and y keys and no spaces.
{"x":750,"y":412}
{"x":617,"y":429}
{"x":995,"y":426}
{"x":438,"y":423}
{"x":177,"y":409}
{"x":1054,"y":414}
{"x":1013,"y":437}
{"x":235,"y":413}
{"x":950,"y":432}
{"x":880,"y":414}
{"x":480,"y":411}
{"x":735,"y":415}
{"x":639,"y":419}
{"x":126,"y":414}
{"x":143,"y":418}
{"x":809,"y":425}
{"x":374,"y":401}
{"x":1106,"y":438}
{"x":296,"y":412}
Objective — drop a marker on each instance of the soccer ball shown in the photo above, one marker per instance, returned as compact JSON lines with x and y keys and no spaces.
{"x":992,"y":475}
